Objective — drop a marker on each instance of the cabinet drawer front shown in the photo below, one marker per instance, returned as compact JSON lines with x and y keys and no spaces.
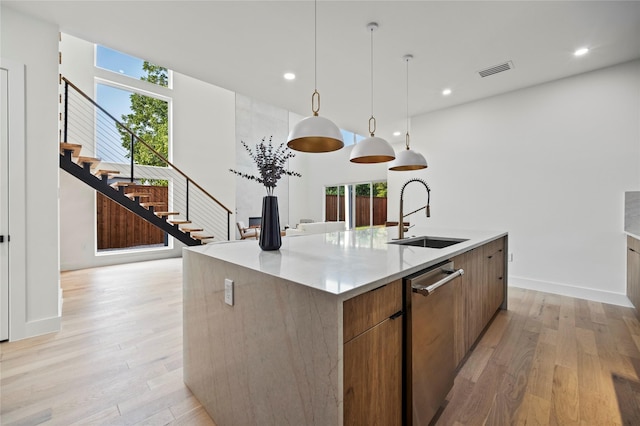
{"x":366,"y":310}
{"x":633,"y":243}
{"x":494,"y":248}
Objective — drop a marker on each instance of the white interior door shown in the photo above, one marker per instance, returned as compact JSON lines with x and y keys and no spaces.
{"x":4,"y":204}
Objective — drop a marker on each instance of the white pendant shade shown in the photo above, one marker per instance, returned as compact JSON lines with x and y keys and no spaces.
{"x":315,"y":134}
{"x":408,"y":159}
{"x":372,"y":150}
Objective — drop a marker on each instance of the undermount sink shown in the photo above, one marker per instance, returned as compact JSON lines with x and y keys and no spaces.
{"x":431,"y":242}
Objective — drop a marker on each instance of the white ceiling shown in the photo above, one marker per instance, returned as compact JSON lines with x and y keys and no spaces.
{"x":247,"y":46}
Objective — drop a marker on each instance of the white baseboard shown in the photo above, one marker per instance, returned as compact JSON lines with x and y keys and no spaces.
{"x":43,"y":326}
{"x":572,"y":291}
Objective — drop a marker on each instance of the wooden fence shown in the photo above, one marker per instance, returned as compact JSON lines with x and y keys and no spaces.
{"x":361,"y":210}
{"x":120,"y":228}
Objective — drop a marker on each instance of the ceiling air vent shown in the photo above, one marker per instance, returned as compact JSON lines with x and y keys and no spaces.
{"x":496,"y":69}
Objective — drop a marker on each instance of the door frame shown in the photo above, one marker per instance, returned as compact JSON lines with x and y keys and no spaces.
{"x":17,"y":197}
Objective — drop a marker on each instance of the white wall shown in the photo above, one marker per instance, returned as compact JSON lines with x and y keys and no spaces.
{"x":203,"y":130}
{"x":35,"y":43}
{"x":203,"y":135}
{"x":549,"y":164}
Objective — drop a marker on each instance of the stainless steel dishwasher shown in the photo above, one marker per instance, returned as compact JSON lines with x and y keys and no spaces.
{"x":429,"y":364}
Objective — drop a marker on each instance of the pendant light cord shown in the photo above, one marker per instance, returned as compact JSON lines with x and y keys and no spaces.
{"x":407,"y":135}
{"x":372,"y":121}
{"x":315,"y":45}
{"x":372,"y":28}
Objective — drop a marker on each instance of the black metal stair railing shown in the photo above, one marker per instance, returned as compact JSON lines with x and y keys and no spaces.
{"x":101,"y":136}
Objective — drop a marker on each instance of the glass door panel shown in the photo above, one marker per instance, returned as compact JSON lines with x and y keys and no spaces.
{"x":379,"y":203}
{"x":362,"y":205}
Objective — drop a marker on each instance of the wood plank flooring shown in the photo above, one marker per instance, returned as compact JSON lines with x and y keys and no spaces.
{"x":117,"y":359}
{"x":549,"y":360}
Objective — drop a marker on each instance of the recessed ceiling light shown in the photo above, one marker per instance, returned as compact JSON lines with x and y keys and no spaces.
{"x":397,"y":133}
{"x":446,"y":92}
{"x":289,"y":76}
{"x":581,"y":51}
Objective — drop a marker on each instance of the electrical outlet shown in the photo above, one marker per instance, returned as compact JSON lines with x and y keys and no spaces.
{"x":228,"y":291}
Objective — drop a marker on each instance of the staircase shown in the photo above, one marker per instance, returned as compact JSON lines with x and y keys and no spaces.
{"x":201,"y":214}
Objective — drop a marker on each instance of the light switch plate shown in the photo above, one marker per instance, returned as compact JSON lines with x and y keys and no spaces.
{"x":228,"y":291}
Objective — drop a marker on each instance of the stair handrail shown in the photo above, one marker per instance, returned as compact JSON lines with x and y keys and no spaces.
{"x":138,"y":139}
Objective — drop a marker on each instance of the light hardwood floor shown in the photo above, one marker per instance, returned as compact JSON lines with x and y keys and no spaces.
{"x":118,"y":360}
{"x":551,"y":360}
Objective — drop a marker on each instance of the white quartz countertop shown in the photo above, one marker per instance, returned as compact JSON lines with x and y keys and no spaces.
{"x":634,"y":235}
{"x":345,"y":262}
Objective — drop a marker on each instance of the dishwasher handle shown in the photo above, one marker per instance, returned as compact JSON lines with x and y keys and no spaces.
{"x":427,"y":290}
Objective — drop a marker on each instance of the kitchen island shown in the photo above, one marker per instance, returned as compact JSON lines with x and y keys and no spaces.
{"x":275,"y":355}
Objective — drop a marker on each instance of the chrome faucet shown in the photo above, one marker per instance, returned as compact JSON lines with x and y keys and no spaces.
{"x":402,"y":215}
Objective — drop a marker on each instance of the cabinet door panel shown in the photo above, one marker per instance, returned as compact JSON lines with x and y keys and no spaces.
{"x":475,"y":289}
{"x":373,"y":376}
{"x":494,"y":280}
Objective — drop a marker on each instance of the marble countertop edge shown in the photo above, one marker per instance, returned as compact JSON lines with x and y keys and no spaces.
{"x":633,"y":235}
{"x":345,"y":263}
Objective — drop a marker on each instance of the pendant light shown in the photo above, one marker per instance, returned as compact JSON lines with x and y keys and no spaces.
{"x":315,"y":133}
{"x":408,"y":159}
{"x":372,"y":149}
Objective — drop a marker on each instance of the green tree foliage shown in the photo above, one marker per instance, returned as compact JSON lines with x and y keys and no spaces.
{"x":333,"y":190}
{"x":363,"y":190}
{"x":380,"y":189}
{"x":149,"y":120}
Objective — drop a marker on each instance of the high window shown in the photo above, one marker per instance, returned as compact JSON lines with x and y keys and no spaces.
{"x":142,"y":106}
{"x":136,"y":68}
{"x":350,"y":138}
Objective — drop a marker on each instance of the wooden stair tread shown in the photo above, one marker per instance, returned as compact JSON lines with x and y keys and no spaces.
{"x":122,"y":183}
{"x":166,"y":214}
{"x":201,"y":237}
{"x":153,"y":203}
{"x":179,"y":222}
{"x":94,"y":161}
{"x":106,"y":172}
{"x":137,"y":194}
{"x":72,"y":147}
{"x":191,"y":229}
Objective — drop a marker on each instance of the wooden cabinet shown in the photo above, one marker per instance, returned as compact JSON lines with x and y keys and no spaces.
{"x":479,"y":294}
{"x":633,"y":271}
{"x":493,"y":291}
{"x":460,"y":312}
{"x":468,"y":312}
{"x":373,"y":333}
{"x":373,"y":357}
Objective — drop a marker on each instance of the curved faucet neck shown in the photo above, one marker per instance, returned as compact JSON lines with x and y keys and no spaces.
{"x":401,"y":216}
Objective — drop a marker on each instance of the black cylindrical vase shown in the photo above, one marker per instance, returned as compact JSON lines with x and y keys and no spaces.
{"x":270,"y":238}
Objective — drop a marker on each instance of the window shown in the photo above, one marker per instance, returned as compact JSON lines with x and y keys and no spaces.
{"x":360,"y":205}
{"x":350,"y":138}
{"x":144,"y":110}
{"x":146,"y":116}
{"x":334,"y":204}
{"x":133,"y":67}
